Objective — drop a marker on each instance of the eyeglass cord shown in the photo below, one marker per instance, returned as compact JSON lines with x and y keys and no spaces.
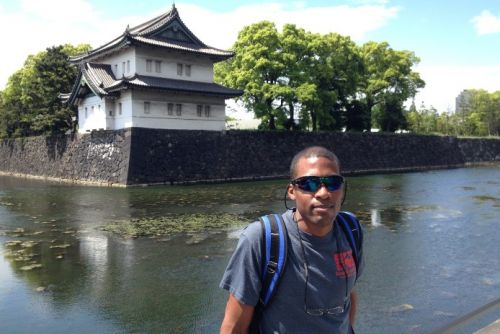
{"x":306,"y":265}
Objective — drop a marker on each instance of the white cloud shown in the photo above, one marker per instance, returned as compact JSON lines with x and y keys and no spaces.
{"x":486,"y":23}
{"x":41,"y":24}
{"x":347,"y":20}
{"x":445,"y":82}
{"x":76,"y":11}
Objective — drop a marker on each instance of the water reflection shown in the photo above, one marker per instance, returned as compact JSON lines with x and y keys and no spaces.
{"x":375,"y":218}
{"x":427,"y":238}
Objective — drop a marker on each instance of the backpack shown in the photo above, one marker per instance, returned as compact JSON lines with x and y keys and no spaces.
{"x":274,"y":245}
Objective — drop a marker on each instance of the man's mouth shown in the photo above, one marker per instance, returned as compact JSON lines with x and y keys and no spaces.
{"x":323,"y":207}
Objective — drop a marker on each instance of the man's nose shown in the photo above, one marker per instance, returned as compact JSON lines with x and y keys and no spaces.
{"x":322,"y":191}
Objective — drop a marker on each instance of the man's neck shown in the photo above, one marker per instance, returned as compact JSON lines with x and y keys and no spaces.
{"x":318,"y":229}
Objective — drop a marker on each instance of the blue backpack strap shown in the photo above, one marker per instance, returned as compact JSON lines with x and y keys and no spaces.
{"x":352,"y":229}
{"x":274,"y":244}
{"x":274,"y":254}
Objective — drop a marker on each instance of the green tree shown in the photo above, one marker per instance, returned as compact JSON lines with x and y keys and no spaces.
{"x":296,"y":55}
{"x":257,"y":68}
{"x":389,"y":114}
{"x":484,"y":112}
{"x":326,"y":81}
{"x":336,"y":70}
{"x":388,"y":72}
{"x":30,"y":102}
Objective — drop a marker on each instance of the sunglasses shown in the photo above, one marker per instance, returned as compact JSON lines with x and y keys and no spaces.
{"x":313,"y":183}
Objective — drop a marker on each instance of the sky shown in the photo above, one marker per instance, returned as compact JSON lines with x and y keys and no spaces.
{"x":457,"y":41}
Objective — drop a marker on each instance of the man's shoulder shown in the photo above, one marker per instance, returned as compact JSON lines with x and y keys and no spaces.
{"x":252,"y":231}
{"x":255,"y":230}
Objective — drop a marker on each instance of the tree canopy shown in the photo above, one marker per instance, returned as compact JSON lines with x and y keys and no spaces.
{"x":295,"y":79}
{"x":481,"y":117}
{"x":30,"y":105}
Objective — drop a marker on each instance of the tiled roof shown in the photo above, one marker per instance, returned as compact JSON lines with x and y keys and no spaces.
{"x":102,"y":82}
{"x":185,"y":47}
{"x":99,"y":76}
{"x":180,"y":86}
{"x":149,"y":33}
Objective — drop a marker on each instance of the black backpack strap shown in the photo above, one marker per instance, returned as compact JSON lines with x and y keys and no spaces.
{"x":274,"y":245}
{"x":352,"y":229}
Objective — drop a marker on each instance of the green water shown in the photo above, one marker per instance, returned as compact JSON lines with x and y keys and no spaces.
{"x":432,"y":252}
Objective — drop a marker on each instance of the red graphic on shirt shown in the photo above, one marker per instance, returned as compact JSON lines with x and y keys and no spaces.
{"x":345,"y":264}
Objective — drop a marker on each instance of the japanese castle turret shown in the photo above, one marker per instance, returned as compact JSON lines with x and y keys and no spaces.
{"x":155,"y":75}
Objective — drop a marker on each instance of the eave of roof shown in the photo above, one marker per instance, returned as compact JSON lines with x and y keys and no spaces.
{"x":142,"y":35}
{"x":99,"y":79}
{"x":175,"y":85}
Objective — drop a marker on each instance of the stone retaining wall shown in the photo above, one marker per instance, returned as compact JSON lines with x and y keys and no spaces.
{"x":149,"y":156}
{"x":99,"y":158}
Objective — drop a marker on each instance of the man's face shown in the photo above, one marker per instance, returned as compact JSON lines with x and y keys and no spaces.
{"x":316,"y":210}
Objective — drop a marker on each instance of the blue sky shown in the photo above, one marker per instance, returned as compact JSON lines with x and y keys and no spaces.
{"x":457,"y":41}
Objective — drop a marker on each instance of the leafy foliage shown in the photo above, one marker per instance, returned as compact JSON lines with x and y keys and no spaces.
{"x":481,"y":117}
{"x":30,"y":103}
{"x":295,"y":79}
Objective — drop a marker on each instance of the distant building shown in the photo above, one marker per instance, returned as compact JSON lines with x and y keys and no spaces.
{"x":155,"y":75}
{"x":462,"y":102}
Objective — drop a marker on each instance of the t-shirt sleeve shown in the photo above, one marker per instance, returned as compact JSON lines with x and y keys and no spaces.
{"x":242,"y":277}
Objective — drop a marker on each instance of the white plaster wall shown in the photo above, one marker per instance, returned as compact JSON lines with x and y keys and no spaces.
{"x":133,"y":115}
{"x":125,"y":119}
{"x":96,"y":114}
{"x":158,"y":116}
{"x":118,"y":59}
{"x":109,"y":105}
{"x":201,"y":66}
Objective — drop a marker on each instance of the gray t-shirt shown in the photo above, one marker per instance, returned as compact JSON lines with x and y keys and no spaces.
{"x":329,"y":283}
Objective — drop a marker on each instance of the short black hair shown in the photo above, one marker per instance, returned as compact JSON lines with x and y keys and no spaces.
{"x":310,"y":152}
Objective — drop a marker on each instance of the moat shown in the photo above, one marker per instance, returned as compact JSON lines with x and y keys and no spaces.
{"x":431,"y":251}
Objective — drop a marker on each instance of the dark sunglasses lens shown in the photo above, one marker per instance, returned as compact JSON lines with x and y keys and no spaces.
{"x":313,"y":183}
{"x":333,"y":182}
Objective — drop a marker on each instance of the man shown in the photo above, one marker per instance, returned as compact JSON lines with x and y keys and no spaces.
{"x":315,"y":293}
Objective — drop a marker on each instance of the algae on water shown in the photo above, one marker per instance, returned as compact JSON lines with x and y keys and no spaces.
{"x":179,"y":223}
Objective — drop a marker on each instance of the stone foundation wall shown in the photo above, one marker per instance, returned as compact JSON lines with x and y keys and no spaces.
{"x":99,"y":158}
{"x":159,"y":156}
{"x":150,"y":156}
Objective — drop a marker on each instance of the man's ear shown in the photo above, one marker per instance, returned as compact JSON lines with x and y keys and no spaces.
{"x":291,"y":192}
{"x":344,"y":193}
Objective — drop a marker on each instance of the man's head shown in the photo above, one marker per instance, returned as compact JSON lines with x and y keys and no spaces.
{"x":317,"y":200}
{"x":310,"y":152}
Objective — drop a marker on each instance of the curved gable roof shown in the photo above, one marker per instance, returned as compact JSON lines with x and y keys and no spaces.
{"x":165,"y":31}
